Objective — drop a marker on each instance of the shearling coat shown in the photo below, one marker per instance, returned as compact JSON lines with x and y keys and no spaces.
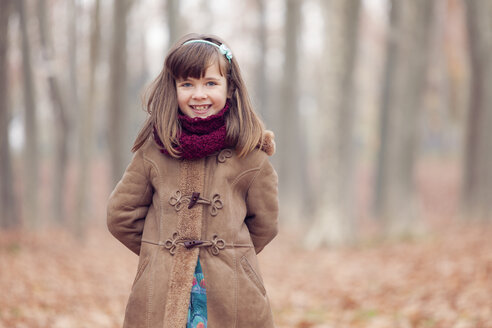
{"x":156,"y":211}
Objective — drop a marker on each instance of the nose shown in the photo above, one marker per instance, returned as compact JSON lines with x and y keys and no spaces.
{"x":199,"y":93}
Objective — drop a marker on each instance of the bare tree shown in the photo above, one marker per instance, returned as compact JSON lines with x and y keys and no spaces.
{"x":73,"y":93}
{"x":261,"y":75}
{"x":388,"y":79}
{"x":60,"y":114}
{"x":289,"y":134}
{"x":406,"y":81}
{"x":87,"y":123}
{"x":173,"y":20}
{"x":31,"y":152}
{"x":334,"y":218}
{"x":118,"y":85}
{"x":9,"y":217}
{"x":477,"y":185}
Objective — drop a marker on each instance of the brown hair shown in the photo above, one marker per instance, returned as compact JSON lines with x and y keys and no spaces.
{"x":244,"y":127}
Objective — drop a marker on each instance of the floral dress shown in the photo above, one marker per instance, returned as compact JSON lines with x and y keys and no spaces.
{"x":197,"y":311}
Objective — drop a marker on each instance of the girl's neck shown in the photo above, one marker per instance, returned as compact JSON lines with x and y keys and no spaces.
{"x":198,"y":125}
{"x":200,"y":137}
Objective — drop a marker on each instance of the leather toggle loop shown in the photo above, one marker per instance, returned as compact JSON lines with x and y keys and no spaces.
{"x":216,"y":205}
{"x":217,"y":245}
{"x":177,"y":200}
{"x":224,"y":155}
{"x":172,"y":243}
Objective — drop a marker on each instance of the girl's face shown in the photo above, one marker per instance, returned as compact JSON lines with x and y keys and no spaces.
{"x":204,"y":96}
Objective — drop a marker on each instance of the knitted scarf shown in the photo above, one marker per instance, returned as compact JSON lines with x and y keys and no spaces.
{"x":199,"y":137}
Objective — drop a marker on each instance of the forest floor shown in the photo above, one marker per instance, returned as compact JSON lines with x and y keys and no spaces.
{"x":441,"y":279}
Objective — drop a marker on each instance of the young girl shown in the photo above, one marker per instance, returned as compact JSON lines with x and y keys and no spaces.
{"x":199,"y":198}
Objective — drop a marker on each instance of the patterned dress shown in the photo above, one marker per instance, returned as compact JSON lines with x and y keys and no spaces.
{"x":197,"y":311}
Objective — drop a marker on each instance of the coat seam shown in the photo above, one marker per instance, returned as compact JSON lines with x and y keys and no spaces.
{"x":236,"y":286}
{"x":254,"y":277}
{"x":244,"y":173}
{"x":150,"y":293}
{"x":142,"y":197}
{"x":161,"y":201}
{"x":260,"y":168}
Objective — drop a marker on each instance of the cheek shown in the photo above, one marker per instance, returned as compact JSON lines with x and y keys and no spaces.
{"x":182,"y":97}
{"x":225,"y":93}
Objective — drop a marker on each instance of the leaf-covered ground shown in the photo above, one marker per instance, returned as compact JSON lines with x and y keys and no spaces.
{"x":443,"y":279}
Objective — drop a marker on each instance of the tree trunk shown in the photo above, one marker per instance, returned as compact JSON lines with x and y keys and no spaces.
{"x":9,"y":217}
{"x":31,"y":152}
{"x":73,"y":84}
{"x":388,"y":78}
{"x":118,"y":80}
{"x":61,"y":118}
{"x":261,"y":75}
{"x":173,"y":21}
{"x":477,"y":184}
{"x":398,"y":207}
{"x":289,"y":144}
{"x":87,"y":125}
{"x":334,"y":217}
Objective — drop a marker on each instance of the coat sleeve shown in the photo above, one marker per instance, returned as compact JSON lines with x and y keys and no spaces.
{"x":262,"y":206}
{"x":129,"y":203}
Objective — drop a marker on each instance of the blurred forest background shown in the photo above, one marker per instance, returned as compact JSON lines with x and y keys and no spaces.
{"x":382,"y":112}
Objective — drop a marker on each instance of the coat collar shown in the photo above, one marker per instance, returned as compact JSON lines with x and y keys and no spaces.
{"x":268,"y":143}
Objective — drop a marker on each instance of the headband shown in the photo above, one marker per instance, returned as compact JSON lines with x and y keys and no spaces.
{"x":222,"y":48}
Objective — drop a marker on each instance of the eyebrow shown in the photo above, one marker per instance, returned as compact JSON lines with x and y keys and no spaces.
{"x":193,"y":78}
{"x":181,"y":80}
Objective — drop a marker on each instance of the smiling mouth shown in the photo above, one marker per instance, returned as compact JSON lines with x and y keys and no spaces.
{"x":200,"y":108}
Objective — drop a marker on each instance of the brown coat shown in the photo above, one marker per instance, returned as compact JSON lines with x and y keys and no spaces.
{"x":235,"y":215}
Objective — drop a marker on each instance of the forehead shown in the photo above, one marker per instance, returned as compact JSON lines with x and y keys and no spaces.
{"x":193,"y":60}
{"x":211,"y":72}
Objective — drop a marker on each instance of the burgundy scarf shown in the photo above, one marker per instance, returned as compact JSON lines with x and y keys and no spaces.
{"x":199,"y":137}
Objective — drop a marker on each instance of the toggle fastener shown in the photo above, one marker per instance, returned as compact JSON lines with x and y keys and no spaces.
{"x":192,"y":243}
{"x":194,"y":198}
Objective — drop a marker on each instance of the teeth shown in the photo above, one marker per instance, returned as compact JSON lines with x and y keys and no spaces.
{"x":203,"y":107}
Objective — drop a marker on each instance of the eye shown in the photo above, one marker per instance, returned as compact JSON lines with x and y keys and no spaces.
{"x":211,"y":83}
{"x":186,"y":84}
